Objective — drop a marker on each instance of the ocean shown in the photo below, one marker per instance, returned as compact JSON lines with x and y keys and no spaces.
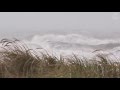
{"x":82,"y":43}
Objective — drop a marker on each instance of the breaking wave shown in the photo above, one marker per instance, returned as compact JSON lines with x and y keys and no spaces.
{"x":74,"y":43}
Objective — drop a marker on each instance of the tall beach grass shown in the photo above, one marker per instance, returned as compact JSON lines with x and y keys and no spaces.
{"x":18,"y":61}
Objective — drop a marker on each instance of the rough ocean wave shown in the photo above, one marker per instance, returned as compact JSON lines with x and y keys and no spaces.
{"x":78,"y":44}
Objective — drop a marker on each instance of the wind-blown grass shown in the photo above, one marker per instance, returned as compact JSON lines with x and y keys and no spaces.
{"x":18,"y":61}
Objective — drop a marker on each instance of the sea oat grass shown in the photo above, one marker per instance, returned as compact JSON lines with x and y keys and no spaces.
{"x":18,"y":61}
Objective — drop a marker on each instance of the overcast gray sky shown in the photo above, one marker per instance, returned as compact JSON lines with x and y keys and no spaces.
{"x":59,"y":20}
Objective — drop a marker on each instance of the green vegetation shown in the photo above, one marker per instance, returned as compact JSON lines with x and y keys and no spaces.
{"x":18,"y":61}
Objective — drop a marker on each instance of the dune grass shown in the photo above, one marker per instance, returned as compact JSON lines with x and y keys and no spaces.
{"x":17,"y":61}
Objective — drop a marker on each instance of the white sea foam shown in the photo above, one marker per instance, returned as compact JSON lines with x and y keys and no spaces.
{"x":74,"y":43}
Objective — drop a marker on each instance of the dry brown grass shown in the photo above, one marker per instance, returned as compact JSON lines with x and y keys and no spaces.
{"x":17,"y":61}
